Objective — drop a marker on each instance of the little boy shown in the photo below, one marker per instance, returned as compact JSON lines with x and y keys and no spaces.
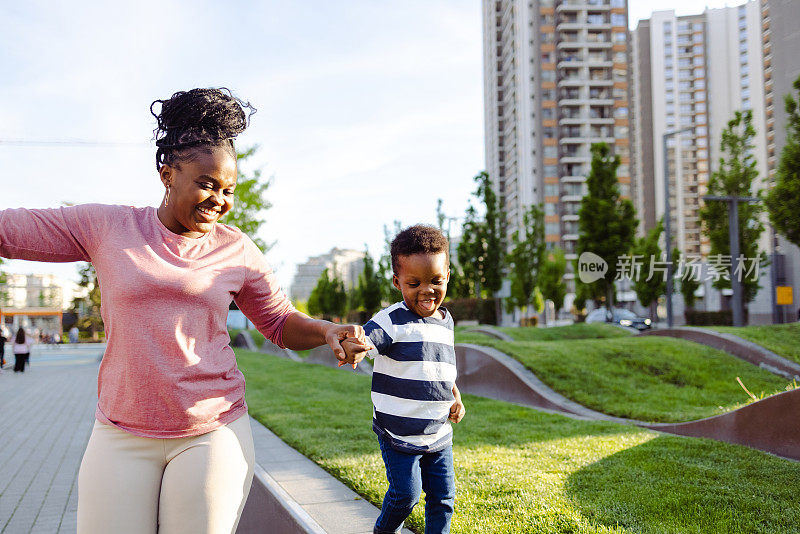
{"x":414,"y":395}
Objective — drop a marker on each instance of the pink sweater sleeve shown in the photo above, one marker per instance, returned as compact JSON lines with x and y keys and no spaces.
{"x":261,"y":298}
{"x":53,"y":235}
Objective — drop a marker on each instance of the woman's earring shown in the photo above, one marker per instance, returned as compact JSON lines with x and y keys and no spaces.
{"x":166,"y":198}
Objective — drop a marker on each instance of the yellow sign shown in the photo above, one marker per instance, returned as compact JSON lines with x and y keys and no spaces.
{"x":783,"y":295}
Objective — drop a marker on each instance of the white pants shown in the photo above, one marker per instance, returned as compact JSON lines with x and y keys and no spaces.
{"x":136,"y":485}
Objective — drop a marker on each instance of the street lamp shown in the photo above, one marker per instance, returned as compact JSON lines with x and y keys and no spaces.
{"x":668,"y":219}
{"x":733,"y":235}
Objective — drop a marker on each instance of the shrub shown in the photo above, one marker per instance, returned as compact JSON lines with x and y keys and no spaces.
{"x":705,"y":318}
{"x":473,"y":309}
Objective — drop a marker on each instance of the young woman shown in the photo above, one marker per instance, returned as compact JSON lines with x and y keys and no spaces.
{"x":171,"y":449}
{"x":22,"y":350}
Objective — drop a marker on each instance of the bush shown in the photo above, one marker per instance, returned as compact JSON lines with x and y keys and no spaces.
{"x":529,"y":321}
{"x":705,"y":318}
{"x":357,"y":317}
{"x":482,"y":310}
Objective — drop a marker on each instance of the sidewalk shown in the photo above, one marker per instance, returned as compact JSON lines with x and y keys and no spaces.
{"x":48,"y":413}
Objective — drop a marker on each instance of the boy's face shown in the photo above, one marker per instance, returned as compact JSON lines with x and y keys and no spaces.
{"x":422,"y":279}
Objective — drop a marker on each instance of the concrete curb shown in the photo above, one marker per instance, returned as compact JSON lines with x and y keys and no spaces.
{"x":292,"y":494}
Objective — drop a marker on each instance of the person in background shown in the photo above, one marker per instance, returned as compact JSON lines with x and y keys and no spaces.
{"x":73,"y":334}
{"x":3,"y":339}
{"x":22,"y":350}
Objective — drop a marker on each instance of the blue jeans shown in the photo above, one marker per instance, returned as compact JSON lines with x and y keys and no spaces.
{"x":408,"y":475}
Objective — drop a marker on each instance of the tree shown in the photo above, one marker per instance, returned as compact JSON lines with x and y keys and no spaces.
{"x":645,"y":248}
{"x":88,"y":307}
{"x":389,"y":293}
{"x":689,"y":282}
{"x":480,"y":251}
{"x":250,"y":201}
{"x":525,"y":259}
{"x":369,"y":288}
{"x":606,"y":221}
{"x":551,"y":277}
{"x":735,"y":177}
{"x":328,"y":298}
{"x":783,"y":200}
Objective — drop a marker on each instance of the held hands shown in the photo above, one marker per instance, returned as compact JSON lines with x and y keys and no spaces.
{"x":352,"y":338}
{"x":457,"y":410}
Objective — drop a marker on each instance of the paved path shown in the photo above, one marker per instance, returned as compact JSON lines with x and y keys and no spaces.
{"x":47,"y":417}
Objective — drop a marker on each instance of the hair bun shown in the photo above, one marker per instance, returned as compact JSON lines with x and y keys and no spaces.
{"x":199,"y":116}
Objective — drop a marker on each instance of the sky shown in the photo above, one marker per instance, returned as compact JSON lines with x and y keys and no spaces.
{"x":368,"y":111}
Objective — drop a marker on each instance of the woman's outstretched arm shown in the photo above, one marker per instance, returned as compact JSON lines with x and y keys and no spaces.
{"x":53,"y":235}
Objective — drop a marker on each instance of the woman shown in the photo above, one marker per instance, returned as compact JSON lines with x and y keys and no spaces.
{"x":22,"y":350}
{"x":171,"y":449}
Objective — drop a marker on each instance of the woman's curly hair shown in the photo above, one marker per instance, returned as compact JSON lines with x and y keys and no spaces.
{"x":198,"y":118}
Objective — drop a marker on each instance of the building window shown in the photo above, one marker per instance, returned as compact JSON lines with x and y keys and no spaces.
{"x":618,"y":19}
{"x":551,"y":190}
{"x":551,"y":228}
{"x":548,"y":75}
{"x":548,"y":132}
{"x":549,"y":208}
{"x":550,"y":151}
{"x":621,"y":112}
{"x":620,"y":37}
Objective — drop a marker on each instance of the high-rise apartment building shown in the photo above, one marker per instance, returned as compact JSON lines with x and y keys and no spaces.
{"x":780,"y":20}
{"x":555,"y":81}
{"x":695,"y":72}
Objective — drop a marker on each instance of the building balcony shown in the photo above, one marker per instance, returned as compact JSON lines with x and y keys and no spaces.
{"x":574,"y":140}
{"x":571,"y":45}
{"x":576,"y":159}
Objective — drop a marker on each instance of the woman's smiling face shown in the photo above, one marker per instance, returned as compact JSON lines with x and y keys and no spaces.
{"x":200,"y":191}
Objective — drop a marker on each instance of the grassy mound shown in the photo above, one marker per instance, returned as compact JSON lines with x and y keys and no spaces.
{"x":646,"y":378}
{"x":523,"y":471}
{"x":573,"y":331}
{"x":782,"y":339}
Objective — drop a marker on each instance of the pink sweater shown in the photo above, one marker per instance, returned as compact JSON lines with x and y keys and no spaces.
{"x":168,"y":370}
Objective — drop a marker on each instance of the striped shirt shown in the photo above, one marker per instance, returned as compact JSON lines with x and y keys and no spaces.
{"x":413,"y":377}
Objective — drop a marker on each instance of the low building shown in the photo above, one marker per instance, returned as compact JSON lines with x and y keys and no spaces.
{"x":347,"y":263}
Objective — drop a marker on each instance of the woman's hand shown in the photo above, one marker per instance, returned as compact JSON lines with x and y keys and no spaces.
{"x":357,"y":344}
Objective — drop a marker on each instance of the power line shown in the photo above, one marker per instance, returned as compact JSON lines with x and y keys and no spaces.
{"x":69,"y":143}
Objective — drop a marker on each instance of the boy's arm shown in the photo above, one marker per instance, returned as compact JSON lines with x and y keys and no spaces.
{"x":457,"y":410}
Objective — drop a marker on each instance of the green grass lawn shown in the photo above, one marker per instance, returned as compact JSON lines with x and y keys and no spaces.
{"x":258,"y":337}
{"x":573,"y":331}
{"x":523,"y":471}
{"x":782,"y":339}
{"x":646,"y":378}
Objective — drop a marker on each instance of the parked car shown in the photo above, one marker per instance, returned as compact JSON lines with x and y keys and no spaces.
{"x":621,"y":317}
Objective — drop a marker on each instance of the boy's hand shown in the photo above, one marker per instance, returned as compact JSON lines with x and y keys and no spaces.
{"x":354,"y":351}
{"x":355,"y":333}
{"x":457,"y":410}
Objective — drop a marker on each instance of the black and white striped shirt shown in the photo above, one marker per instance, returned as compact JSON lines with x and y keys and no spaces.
{"x":413,"y":377}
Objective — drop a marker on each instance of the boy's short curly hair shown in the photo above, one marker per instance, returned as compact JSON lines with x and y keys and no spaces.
{"x":418,"y":239}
